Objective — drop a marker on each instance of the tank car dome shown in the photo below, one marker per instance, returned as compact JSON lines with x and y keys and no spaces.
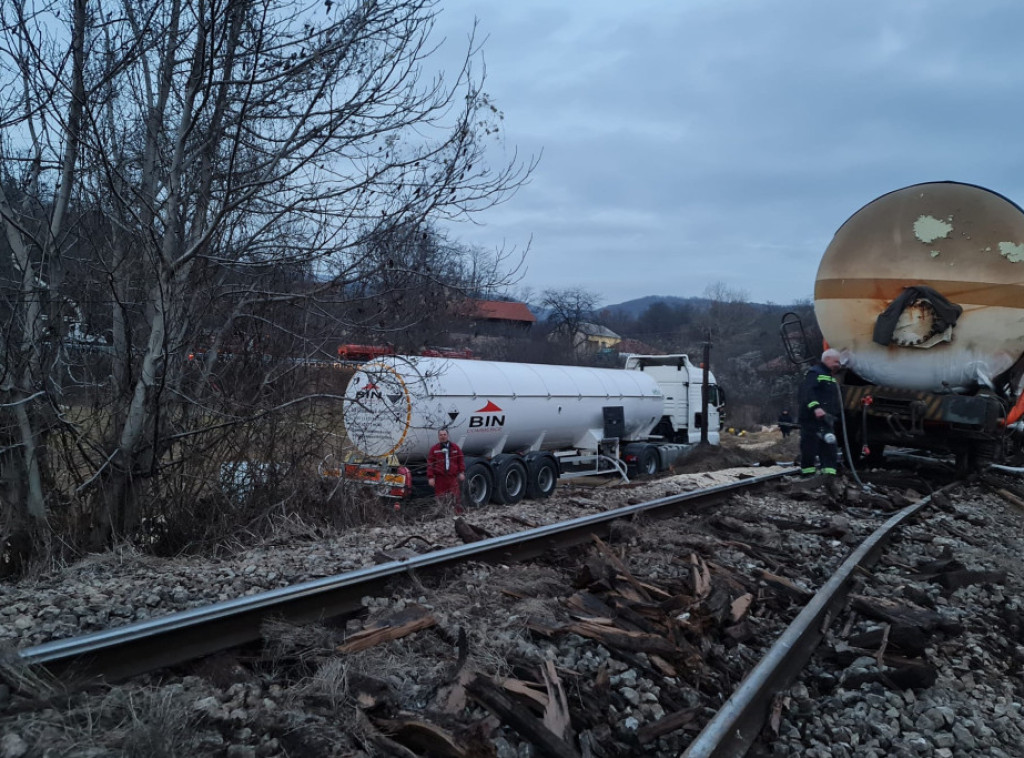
{"x":923,"y":288}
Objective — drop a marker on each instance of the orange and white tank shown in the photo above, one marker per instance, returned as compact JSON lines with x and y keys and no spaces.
{"x":965,"y":243}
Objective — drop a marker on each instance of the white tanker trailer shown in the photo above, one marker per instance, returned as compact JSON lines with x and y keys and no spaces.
{"x":522,"y":426}
{"x":922,"y":292}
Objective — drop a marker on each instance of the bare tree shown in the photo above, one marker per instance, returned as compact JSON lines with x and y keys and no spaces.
{"x":217,"y":175}
{"x":569,"y":310}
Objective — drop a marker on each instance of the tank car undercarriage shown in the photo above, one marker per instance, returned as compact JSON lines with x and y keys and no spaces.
{"x":966,"y":426}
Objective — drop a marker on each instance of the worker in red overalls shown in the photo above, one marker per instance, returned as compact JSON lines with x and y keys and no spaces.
{"x":446,"y":471}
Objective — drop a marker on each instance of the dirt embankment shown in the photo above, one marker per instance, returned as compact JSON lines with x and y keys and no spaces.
{"x":766,"y":446}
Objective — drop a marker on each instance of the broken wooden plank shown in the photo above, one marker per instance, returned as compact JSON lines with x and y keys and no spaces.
{"x":892,"y":612}
{"x":640,"y":642}
{"x":489,"y":695}
{"x":608,"y":553}
{"x":786,"y":586}
{"x":589,"y":604}
{"x":544,"y":627}
{"x":454,"y":699}
{"x":663,"y":666}
{"x":954,"y":580}
{"x":386,"y":745}
{"x":666,"y":724}
{"x":625,"y":613}
{"x":556,"y":714}
{"x":701,"y":576}
{"x":412,"y":619}
{"x":740,"y":606}
{"x":422,"y":737}
{"x":526,"y":689}
{"x":1010,"y":497}
{"x":655,"y":591}
{"x":910,"y":639}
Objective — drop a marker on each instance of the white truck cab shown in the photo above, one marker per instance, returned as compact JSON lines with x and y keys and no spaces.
{"x":682,"y":384}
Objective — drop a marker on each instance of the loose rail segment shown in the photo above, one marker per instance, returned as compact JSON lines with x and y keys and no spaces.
{"x":736,"y":725}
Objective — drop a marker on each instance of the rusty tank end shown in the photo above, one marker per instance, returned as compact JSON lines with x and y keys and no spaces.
{"x":923,"y":288}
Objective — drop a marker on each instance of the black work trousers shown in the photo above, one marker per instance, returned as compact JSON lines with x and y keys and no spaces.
{"x":814,"y":451}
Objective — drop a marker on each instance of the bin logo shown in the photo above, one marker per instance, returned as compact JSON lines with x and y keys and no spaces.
{"x":370,"y":391}
{"x":487,"y":417}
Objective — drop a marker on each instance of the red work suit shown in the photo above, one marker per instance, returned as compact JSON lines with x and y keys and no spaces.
{"x":444,"y":464}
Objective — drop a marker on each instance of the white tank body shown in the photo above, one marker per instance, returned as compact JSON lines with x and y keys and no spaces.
{"x":395,"y":405}
{"x":959,"y":240}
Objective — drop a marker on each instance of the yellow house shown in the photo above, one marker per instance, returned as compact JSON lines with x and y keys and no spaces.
{"x":595,"y":337}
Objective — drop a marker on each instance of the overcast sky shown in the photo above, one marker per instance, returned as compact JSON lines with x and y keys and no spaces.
{"x":696,"y":142}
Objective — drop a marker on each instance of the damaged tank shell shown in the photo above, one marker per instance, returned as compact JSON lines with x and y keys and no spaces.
{"x":962,"y":247}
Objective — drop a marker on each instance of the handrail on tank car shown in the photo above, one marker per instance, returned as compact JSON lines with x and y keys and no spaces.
{"x":794,"y":339}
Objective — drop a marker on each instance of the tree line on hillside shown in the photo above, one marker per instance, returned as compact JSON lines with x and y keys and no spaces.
{"x":185,"y":190}
{"x":747,"y":352}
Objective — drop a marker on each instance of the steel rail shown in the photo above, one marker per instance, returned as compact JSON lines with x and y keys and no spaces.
{"x":736,"y":725}
{"x":125,"y":651}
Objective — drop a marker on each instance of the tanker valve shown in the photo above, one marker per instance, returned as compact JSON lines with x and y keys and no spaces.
{"x":867,"y":400}
{"x":865,"y":451}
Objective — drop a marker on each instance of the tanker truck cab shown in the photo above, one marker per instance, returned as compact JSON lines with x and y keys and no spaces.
{"x":682,"y":384}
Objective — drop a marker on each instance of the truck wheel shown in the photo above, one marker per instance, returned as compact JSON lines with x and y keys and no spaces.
{"x":478,"y":485}
{"x":509,"y":481}
{"x":648,"y":463}
{"x":542,"y":480}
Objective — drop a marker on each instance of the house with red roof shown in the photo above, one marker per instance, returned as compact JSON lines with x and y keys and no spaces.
{"x":495,"y":316}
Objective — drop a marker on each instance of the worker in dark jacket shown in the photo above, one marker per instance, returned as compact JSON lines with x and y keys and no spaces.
{"x":819,"y":408}
{"x":785,"y":422}
{"x":446,"y":471}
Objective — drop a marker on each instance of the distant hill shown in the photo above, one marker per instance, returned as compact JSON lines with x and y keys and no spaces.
{"x":635,"y":308}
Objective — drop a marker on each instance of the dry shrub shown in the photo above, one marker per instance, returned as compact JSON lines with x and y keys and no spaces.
{"x":28,"y":550}
{"x":290,"y":507}
{"x":134,"y":723}
{"x":158,"y":724}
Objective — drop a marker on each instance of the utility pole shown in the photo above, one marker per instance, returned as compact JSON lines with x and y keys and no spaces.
{"x":705,"y":389}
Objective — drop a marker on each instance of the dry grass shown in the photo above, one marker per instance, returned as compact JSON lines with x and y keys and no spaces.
{"x":298,"y":643}
{"x":23,"y":679}
{"x":132,"y":723}
{"x":330,"y":682}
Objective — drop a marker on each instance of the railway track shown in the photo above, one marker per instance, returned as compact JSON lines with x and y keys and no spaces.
{"x":736,"y":728}
{"x":135,"y":649}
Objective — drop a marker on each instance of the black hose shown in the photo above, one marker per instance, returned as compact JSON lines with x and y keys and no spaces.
{"x":846,"y":438}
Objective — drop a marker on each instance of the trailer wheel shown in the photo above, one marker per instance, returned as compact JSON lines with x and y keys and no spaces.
{"x":509,"y":481}
{"x":648,"y":463}
{"x":542,"y":480}
{"x":478,"y":485}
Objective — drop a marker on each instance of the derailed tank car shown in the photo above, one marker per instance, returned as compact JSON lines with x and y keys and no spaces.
{"x":922,"y":292}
